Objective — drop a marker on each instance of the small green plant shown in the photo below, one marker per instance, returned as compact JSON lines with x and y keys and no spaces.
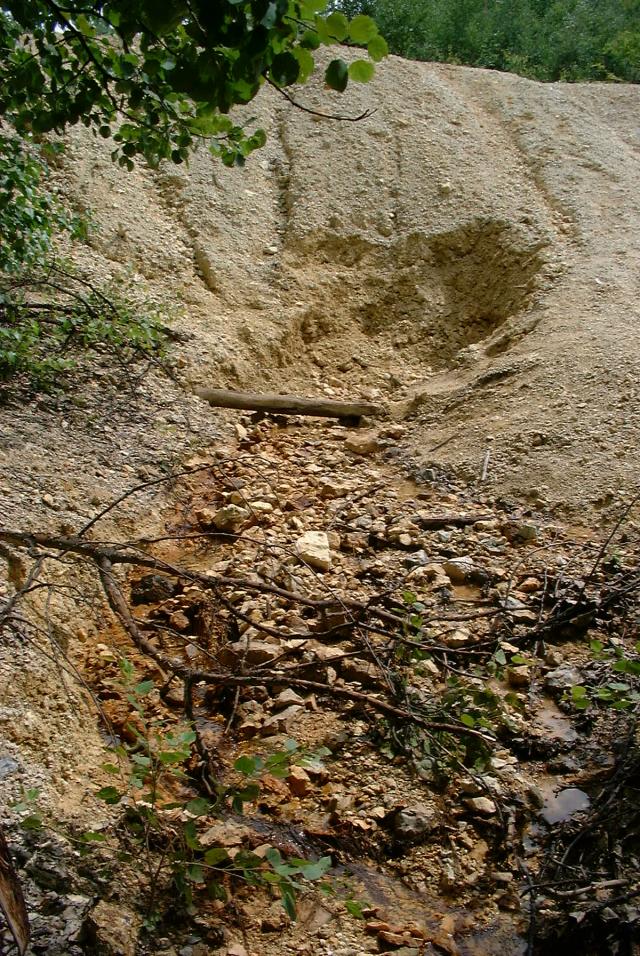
{"x":28,"y":810}
{"x":617,"y":694}
{"x":165,"y":826}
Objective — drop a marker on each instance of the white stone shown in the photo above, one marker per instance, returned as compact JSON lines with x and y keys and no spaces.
{"x":313,"y":548}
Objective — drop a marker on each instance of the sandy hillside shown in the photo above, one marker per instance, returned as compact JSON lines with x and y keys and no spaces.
{"x":469,"y":253}
{"x":467,"y":256}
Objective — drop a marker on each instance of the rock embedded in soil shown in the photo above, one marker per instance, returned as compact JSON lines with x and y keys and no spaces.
{"x":364,"y":444}
{"x":230,"y":518}
{"x":414,"y":823}
{"x":458,"y":570}
{"x":520,"y":532}
{"x":252,"y":652}
{"x":518,"y":676}
{"x":111,"y":930}
{"x":483,"y":806}
{"x":299,"y":782}
{"x":313,"y":548}
{"x":281,"y":722}
{"x":287,"y":698}
{"x":563,"y":678}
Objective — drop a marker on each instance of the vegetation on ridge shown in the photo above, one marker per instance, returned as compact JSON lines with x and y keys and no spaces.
{"x":569,"y":40}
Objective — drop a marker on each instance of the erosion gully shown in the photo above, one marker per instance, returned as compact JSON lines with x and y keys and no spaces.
{"x":461,"y":611}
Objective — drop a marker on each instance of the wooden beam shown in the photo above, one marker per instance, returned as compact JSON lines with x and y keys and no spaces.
{"x":286,"y":404}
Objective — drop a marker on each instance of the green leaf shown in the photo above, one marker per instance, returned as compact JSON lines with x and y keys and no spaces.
{"x":250,"y":792}
{"x":621,"y":666}
{"x":191,"y":835}
{"x":377,"y":48}
{"x":109,"y":795}
{"x":199,"y":807}
{"x":308,"y":8}
{"x":288,"y":900}
{"x":84,"y":26}
{"x":362,"y":29}
{"x":171,"y":757}
{"x":126,"y":667}
{"x":215,"y":856}
{"x":578,"y":692}
{"x":196,"y":873}
{"x":285,"y":69}
{"x":91,"y":836}
{"x":310,"y":40}
{"x":361,"y":71}
{"x":305,"y":62}
{"x":467,"y":720}
{"x":272,"y":855}
{"x":338,"y":25}
{"x":314,"y":871}
{"x":355,"y":908}
{"x":143,"y":688}
{"x":247,"y":765}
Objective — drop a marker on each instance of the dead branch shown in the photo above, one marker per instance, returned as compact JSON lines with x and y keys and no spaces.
{"x":266,"y":679}
{"x":12,"y":900}
{"x":105,"y":556}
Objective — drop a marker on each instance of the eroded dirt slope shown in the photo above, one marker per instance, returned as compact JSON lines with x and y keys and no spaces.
{"x":470,"y":251}
{"x":468,"y":256}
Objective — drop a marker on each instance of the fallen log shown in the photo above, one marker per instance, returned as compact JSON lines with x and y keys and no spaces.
{"x":287,"y":404}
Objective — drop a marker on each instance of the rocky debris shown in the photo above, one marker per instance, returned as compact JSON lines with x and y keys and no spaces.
{"x":112,"y":930}
{"x":282,"y":722}
{"x":152,"y":589}
{"x":236,"y":949}
{"x":287,"y":698}
{"x":519,"y":676}
{"x":483,"y":806}
{"x":462,"y":596}
{"x":459,"y":570}
{"x":313,"y":548}
{"x":249,"y":650}
{"x":520,"y":532}
{"x":415,"y":823}
{"x":365,"y":443}
{"x":562,"y":679}
{"x":231,"y":518}
{"x":299,"y":782}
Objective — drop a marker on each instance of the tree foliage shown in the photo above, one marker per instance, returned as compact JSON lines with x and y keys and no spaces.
{"x":160,"y":75}
{"x":156,"y":77}
{"x":568,"y":40}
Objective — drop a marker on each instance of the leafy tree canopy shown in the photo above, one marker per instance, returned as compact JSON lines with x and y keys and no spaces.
{"x":570,"y":40}
{"x":160,"y":75}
